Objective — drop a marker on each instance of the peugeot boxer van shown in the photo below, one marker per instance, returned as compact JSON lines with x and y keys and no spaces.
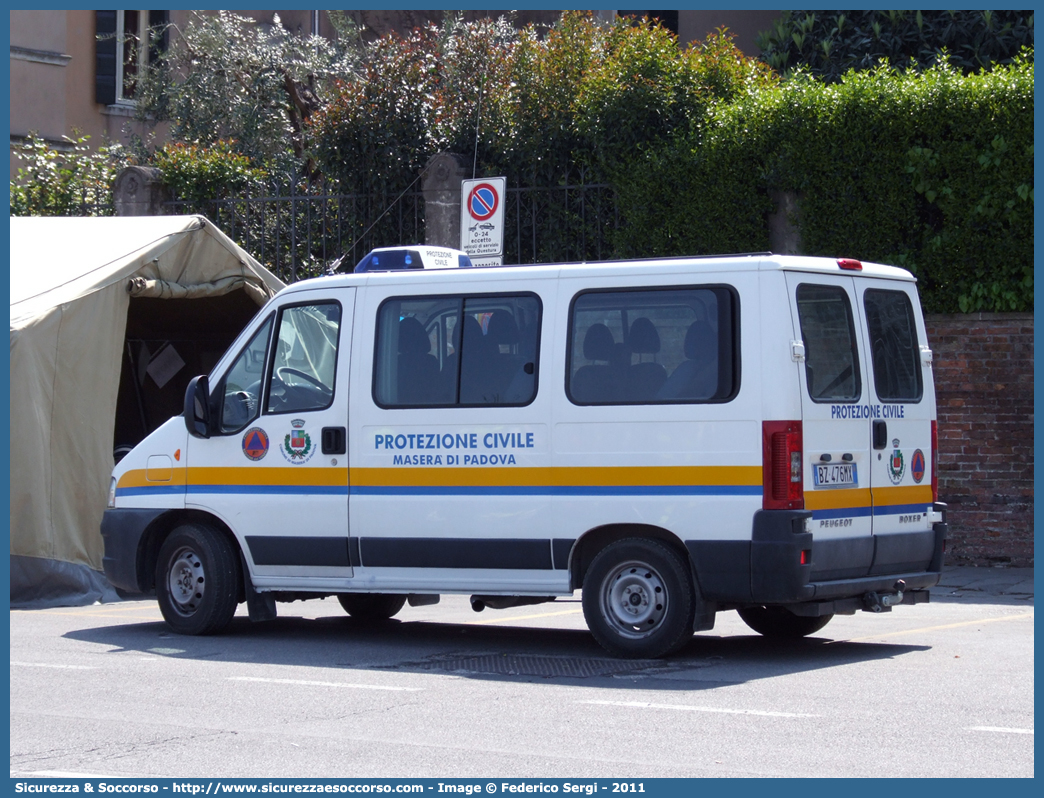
{"x":673,"y":437}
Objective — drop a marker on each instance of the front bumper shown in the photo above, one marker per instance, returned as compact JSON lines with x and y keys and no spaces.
{"x":122,"y":531}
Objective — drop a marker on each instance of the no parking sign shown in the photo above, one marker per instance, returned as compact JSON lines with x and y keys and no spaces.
{"x":482,"y":220}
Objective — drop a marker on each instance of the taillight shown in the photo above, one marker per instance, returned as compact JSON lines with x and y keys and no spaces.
{"x":850,"y":264}
{"x":935,"y":461}
{"x":782,"y":471}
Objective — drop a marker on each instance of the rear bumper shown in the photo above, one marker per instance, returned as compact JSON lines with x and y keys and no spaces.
{"x":768,"y":569}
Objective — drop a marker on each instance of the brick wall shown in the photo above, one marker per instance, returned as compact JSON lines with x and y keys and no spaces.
{"x":983,"y":368}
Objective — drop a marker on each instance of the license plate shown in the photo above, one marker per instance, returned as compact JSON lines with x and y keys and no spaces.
{"x":835,"y":475}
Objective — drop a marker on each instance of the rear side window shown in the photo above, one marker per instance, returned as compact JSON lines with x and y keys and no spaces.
{"x":831,"y":356}
{"x":676,"y":345}
{"x":893,"y":345}
{"x":446,"y":351}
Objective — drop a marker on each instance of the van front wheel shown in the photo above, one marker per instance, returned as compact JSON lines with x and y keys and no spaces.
{"x":197,"y":580}
{"x":639,"y":599}
{"x":780,"y":623}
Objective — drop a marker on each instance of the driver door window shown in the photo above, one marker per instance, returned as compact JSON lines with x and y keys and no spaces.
{"x":242,"y":389}
{"x":305,"y":362}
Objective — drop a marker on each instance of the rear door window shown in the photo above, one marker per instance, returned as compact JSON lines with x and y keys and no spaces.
{"x":828,"y":332}
{"x":893,"y":345}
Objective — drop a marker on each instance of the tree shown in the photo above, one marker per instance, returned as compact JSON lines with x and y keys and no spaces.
{"x":229,"y":78}
{"x":829,"y":43}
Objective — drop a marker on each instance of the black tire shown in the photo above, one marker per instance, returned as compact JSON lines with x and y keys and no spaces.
{"x":639,"y":599}
{"x":371,"y":606}
{"x":197,"y":580}
{"x":781,"y":624}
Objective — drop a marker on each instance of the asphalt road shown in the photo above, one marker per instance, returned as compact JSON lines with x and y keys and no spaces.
{"x":944,"y":689}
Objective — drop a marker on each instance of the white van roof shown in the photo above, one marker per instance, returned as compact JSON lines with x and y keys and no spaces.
{"x":760,"y":261}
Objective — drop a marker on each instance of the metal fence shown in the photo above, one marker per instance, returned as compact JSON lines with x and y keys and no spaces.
{"x":299,"y":236}
{"x":559,"y":224}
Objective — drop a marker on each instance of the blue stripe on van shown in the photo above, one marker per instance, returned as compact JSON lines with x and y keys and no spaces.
{"x":559,"y":490}
{"x":843,"y":512}
{"x":227,"y":490}
{"x":901,"y":509}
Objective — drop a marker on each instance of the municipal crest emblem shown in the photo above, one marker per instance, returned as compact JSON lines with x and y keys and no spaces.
{"x":896,"y":464}
{"x":297,"y":446}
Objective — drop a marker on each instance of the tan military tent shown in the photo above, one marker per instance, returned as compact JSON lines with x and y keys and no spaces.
{"x":73,"y":281}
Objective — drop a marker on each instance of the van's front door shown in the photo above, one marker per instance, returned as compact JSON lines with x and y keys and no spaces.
{"x":835,"y":408}
{"x":901,"y":415}
{"x":275,"y":468}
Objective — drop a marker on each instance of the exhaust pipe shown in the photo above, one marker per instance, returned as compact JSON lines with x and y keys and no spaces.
{"x":479,"y":603}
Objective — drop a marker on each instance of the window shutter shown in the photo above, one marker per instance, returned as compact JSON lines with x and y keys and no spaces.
{"x":105,"y":57}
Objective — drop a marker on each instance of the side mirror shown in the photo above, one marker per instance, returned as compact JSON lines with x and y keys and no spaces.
{"x":197,"y":407}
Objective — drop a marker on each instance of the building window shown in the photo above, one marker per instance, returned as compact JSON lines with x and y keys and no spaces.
{"x":123,"y":51}
{"x":132,"y":44}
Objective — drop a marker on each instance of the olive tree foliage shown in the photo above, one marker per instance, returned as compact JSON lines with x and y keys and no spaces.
{"x":225,"y":77}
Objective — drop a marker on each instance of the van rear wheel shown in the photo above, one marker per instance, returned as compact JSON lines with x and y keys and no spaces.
{"x":197,"y":580}
{"x":780,"y":623}
{"x":371,"y":606}
{"x":639,"y":599}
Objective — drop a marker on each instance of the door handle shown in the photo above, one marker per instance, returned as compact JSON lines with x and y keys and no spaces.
{"x":880,"y":434}
{"x":335,"y":440}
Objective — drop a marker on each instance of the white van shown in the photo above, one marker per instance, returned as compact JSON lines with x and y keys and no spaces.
{"x":676,"y":437}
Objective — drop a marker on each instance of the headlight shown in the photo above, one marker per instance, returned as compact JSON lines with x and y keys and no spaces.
{"x":112,"y":493}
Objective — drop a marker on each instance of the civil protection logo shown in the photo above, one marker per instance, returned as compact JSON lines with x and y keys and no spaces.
{"x":297,"y":445}
{"x":255,"y":443}
{"x":917,"y":466}
{"x":896,"y":464}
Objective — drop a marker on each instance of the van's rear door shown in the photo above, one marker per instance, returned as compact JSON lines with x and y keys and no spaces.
{"x":835,"y":425}
{"x":902,"y":407}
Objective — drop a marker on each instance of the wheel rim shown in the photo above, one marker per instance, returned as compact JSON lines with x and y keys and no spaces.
{"x":185,"y":581}
{"x":634,"y":599}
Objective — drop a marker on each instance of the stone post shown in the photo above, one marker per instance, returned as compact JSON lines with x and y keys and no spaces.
{"x":138,"y":191}
{"x":784,"y":229}
{"x":441,"y":187}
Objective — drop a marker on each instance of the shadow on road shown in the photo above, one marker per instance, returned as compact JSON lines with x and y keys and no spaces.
{"x":489,"y":652}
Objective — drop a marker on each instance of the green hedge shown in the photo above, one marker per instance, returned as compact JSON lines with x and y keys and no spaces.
{"x":931,"y":171}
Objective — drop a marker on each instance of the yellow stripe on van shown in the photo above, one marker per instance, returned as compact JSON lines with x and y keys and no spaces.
{"x":601,"y":476}
{"x":136,"y":478}
{"x":910,"y":494}
{"x":233,"y":476}
{"x":837,"y":498}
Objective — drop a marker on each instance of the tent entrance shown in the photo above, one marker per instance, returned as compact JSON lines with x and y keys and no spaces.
{"x":167,"y":343}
